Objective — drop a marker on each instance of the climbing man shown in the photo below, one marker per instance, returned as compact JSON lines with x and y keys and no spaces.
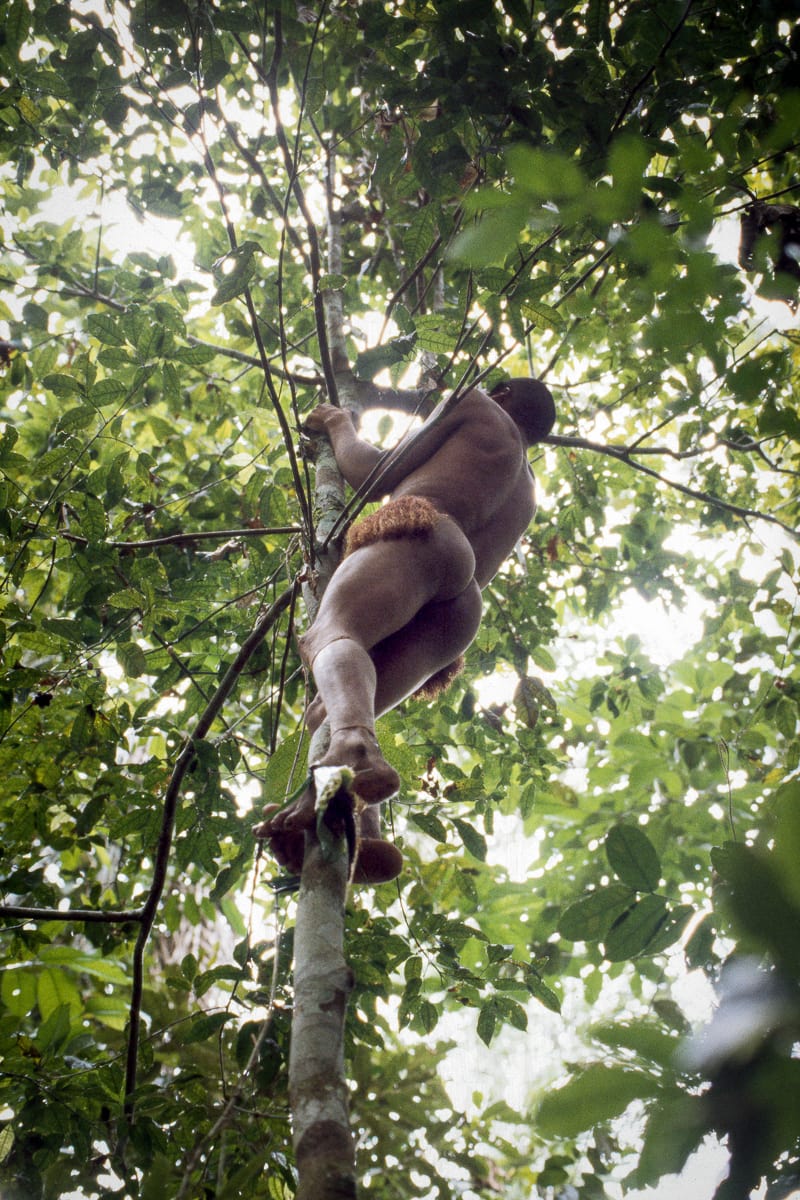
{"x":405,"y":603}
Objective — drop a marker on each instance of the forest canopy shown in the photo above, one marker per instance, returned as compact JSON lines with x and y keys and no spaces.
{"x":214,"y":216}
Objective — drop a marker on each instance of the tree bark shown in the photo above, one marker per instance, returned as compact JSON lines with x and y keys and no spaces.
{"x":317,"y":1083}
{"x":318,"y":1092}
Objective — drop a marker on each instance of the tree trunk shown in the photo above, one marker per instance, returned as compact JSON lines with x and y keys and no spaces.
{"x":322,"y":983}
{"x":318,"y":1093}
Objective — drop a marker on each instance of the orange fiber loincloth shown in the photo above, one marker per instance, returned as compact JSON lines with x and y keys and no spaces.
{"x":405,"y":516}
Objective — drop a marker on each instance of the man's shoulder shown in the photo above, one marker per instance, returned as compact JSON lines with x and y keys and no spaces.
{"x":475,"y":405}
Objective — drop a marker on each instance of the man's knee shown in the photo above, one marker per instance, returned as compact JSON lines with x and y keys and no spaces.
{"x":317,"y":639}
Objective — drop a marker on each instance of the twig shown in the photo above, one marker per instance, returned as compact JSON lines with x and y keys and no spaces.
{"x":651,"y":69}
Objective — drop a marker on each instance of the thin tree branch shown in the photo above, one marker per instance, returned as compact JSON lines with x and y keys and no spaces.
{"x":164,"y":845}
{"x":622,"y":454}
{"x":182,"y":539}
{"x":94,"y":916}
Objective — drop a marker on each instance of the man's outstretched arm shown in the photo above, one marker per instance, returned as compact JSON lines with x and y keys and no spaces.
{"x":360,"y":461}
{"x":356,"y":458}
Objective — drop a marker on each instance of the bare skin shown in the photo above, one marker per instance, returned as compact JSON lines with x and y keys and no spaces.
{"x":398,"y":611}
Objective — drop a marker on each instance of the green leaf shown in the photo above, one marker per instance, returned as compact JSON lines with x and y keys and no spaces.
{"x":6,"y":1142}
{"x":597,"y":16}
{"x":234,"y":272}
{"x":93,"y":519}
{"x":632,"y":933}
{"x":87,"y":964}
{"x":437,"y":333}
{"x":427,"y":1015}
{"x":541,"y":992}
{"x":107,"y":391}
{"x":596,"y":1094}
{"x":648,"y":1039}
{"x":204,"y":1027}
{"x":132,"y":659}
{"x":286,"y":768}
{"x":590,"y":918}
{"x":675,"y":1128}
{"x":546,"y":174}
{"x":76,"y":419}
{"x":632,"y":856}
{"x":676,"y":920}
{"x":55,"y":990}
{"x":492,"y":238}
{"x":472,"y":839}
{"x":18,"y":991}
{"x":63,"y":385}
{"x":332,"y":283}
{"x":420,"y":233}
{"x":106,"y":329}
{"x":128,"y":598}
{"x":487,"y":1020}
{"x":542,"y":316}
{"x":431,"y":825}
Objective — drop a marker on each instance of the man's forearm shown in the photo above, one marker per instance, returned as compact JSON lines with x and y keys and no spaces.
{"x":356,"y":459}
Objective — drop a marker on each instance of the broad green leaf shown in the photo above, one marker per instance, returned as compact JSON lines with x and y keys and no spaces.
{"x":597,"y":15}
{"x":437,"y":333}
{"x":429,"y":824}
{"x":93,"y":519}
{"x":596,"y":1094}
{"x":234,"y":272}
{"x":63,"y":384}
{"x":676,"y":920}
{"x":106,"y":329}
{"x":487,"y":1020}
{"x":542,"y":316}
{"x":421,"y":232}
{"x":54,"y":990}
{"x":127,"y":598}
{"x":675,"y":1128}
{"x":107,"y":391}
{"x":77,"y":960}
{"x":204,"y":1027}
{"x":18,"y":991}
{"x":590,"y":918}
{"x":6,"y":1142}
{"x":632,"y":856}
{"x":286,"y":769}
{"x":633,"y":932}
{"x":646,"y":1038}
{"x":132,"y":659}
{"x":544,"y":994}
{"x":332,"y":283}
{"x":472,"y":839}
{"x":546,"y":174}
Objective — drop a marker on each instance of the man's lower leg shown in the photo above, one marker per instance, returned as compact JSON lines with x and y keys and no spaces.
{"x":345,"y":676}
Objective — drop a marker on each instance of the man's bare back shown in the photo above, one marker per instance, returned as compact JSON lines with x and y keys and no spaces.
{"x":405,"y":603}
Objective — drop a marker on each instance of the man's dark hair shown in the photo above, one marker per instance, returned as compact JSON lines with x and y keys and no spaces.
{"x":530,"y":404}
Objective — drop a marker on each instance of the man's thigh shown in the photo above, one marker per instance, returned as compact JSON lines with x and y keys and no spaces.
{"x":437,"y":635}
{"x":379,"y":589}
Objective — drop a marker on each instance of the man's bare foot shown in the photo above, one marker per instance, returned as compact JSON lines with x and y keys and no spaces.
{"x":288,"y":847}
{"x":377,"y":860}
{"x":357,"y":747}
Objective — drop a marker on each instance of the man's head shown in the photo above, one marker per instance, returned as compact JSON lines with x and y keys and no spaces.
{"x":529,"y":403}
